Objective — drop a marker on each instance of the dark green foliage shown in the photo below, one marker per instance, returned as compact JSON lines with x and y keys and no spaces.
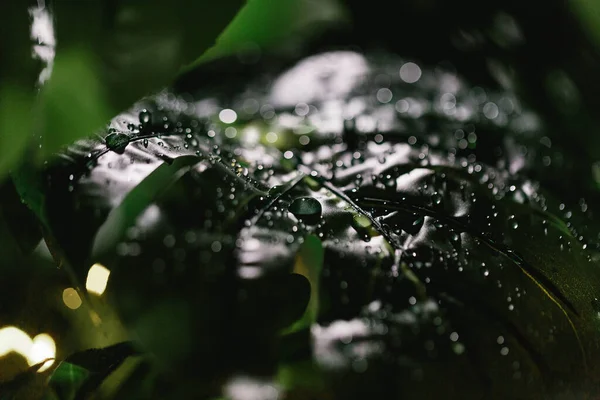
{"x":320,"y":221}
{"x":438,"y":259}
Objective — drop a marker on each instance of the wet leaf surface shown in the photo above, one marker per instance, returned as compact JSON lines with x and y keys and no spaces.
{"x":376,"y":218}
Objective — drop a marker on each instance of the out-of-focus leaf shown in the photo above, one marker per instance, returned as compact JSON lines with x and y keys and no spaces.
{"x":301,"y":375}
{"x":263,"y":23}
{"x":99,"y":360}
{"x":138,"y":384}
{"x":82,"y":373}
{"x":15,"y":124}
{"x":122,"y":217}
{"x":74,"y":97}
{"x":66,"y":380}
{"x":309,"y":263}
{"x":588,"y":11}
{"x":18,"y":75}
{"x":29,"y":384}
{"x":21,"y":222}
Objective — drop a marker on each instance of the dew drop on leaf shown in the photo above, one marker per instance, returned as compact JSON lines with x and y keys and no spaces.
{"x":307,"y":209}
{"x":145,"y":117}
{"x":361,"y":222}
{"x":117,"y":142}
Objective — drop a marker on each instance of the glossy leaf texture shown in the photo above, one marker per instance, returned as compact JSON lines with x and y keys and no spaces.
{"x":351,"y":218}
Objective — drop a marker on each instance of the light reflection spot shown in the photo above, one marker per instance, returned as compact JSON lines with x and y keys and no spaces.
{"x":71,"y":298}
{"x":410,"y":72}
{"x":41,"y":348}
{"x":228,"y":116}
{"x":272,"y":137}
{"x":384,"y":95}
{"x":97,"y":279}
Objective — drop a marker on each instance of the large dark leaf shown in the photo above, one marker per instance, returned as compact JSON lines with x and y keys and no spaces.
{"x":399,"y":192}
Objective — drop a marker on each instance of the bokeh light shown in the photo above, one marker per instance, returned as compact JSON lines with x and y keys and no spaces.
{"x":97,"y":279}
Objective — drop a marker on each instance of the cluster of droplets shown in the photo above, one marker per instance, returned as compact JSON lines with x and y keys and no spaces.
{"x":427,"y":219}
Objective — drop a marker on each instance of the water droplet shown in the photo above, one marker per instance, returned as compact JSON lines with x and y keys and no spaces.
{"x":436,"y":198}
{"x":117,"y":142}
{"x":145,"y":117}
{"x":307,"y":209}
{"x":455,"y":237}
{"x":361,"y":222}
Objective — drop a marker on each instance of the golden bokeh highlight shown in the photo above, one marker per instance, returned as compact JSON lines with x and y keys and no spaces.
{"x":71,"y":298}
{"x":35,"y":351}
{"x":97,"y":279}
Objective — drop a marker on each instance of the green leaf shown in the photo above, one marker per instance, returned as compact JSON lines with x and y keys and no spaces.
{"x":261,"y":24}
{"x":74,"y":103}
{"x":309,"y":263}
{"x":589,"y":13}
{"x":103,"y":359}
{"x":300,"y":375}
{"x":27,"y":384}
{"x":18,"y":75}
{"x":67,"y":379}
{"x":82,"y":373}
{"x":15,"y":124}
{"x":21,"y":221}
{"x":139,"y":383}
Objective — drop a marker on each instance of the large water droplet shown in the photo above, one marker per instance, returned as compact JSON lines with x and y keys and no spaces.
{"x":361,"y":222}
{"x":307,"y":209}
{"x":117,"y":142}
{"x":145,"y":117}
